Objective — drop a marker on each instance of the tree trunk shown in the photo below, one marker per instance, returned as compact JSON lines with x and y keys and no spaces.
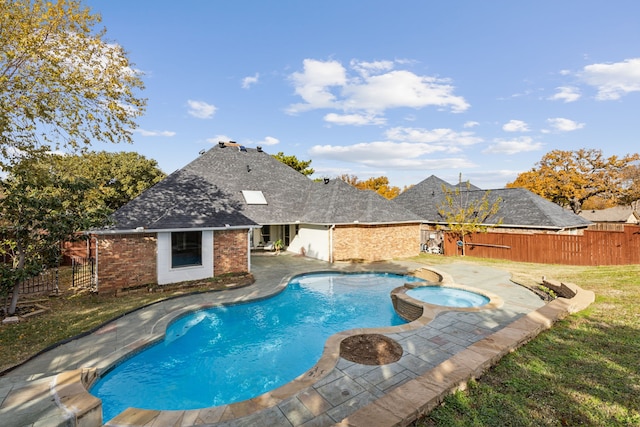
{"x":14,"y":298}
{"x":576,"y":205}
{"x":16,"y":285}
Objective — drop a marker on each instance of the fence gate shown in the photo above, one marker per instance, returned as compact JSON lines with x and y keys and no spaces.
{"x":83,"y":274}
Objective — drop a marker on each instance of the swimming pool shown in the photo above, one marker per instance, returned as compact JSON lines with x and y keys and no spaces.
{"x":448,"y":297}
{"x":233,"y":353}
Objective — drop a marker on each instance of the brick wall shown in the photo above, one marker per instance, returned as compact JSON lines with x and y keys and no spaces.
{"x":230,"y":252}
{"x":77,"y":249}
{"x":126,"y":260}
{"x":375,"y":242}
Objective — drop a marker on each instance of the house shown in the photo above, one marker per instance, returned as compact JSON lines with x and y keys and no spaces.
{"x":521,"y":211}
{"x":206,"y":218}
{"x":616,"y":214}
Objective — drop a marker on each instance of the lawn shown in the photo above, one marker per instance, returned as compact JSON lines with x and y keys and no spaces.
{"x":584,"y":371}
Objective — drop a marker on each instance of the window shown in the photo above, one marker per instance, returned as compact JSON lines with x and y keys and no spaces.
{"x":266,"y":234}
{"x":186,"y":249}
{"x":254,"y":197}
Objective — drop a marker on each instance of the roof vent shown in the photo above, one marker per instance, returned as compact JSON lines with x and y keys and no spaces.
{"x":259,"y":148}
{"x":201,"y":152}
{"x":221,"y":144}
{"x":326,"y":180}
{"x":248,"y":168}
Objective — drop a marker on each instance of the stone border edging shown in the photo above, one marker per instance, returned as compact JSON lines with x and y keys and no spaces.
{"x":417,"y":397}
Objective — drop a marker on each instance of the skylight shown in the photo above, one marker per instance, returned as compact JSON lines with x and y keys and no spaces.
{"x":253,"y":197}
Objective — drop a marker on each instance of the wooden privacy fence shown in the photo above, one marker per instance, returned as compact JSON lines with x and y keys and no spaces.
{"x":593,"y":247}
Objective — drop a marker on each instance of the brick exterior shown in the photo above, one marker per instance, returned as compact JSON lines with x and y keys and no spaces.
{"x":126,"y":260}
{"x":375,"y":242}
{"x":230,"y":252}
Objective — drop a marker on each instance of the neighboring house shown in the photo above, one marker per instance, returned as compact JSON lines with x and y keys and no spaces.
{"x":520,"y":210}
{"x":204,"y":219}
{"x":616,"y":214}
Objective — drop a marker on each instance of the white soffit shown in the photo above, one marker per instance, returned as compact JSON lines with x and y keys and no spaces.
{"x":253,"y":197}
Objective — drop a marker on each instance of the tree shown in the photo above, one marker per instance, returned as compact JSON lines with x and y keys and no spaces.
{"x":117,"y":178}
{"x":630,"y":194}
{"x":569,"y":178}
{"x":380,"y":185}
{"x":61,"y":85}
{"x":301,"y":166}
{"x":467,"y":211}
{"x":40,"y":207}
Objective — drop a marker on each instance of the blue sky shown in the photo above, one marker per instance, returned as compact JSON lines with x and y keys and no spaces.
{"x":403,"y":89}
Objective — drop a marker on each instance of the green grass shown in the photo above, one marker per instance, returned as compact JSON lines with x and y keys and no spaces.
{"x":585,"y":371}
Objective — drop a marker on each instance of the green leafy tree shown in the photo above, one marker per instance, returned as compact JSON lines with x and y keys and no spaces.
{"x":40,"y":207}
{"x":61,"y":85}
{"x":467,"y":211}
{"x":301,"y":166}
{"x":570,"y":178}
{"x":117,"y":178}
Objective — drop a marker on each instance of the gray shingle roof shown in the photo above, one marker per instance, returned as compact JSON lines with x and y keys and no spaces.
{"x":181,"y":200}
{"x":519,"y":207}
{"x":337,"y":202}
{"x":614,"y":214}
{"x":208,"y":193}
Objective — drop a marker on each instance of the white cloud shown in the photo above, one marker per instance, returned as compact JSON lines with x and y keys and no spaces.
{"x":405,"y":148}
{"x":313,"y":84}
{"x":613,"y":80}
{"x":515,"y":126}
{"x":367,"y":68}
{"x":513,"y":146}
{"x":372,"y":88}
{"x":390,"y":155}
{"x":201,"y":109}
{"x":564,"y":125}
{"x":566,"y":94}
{"x":445,"y":137}
{"x":268,"y":140}
{"x":354,"y":119}
{"x":219,"y":138}
{"x":470,"y":124}
{"x":247,"y":82}
{"x":144,"y":132}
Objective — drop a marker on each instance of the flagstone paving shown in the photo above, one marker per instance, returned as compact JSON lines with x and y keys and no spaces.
{"x":439,"y":356}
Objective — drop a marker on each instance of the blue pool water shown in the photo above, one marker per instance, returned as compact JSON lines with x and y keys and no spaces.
{"x":449,"y":297}
{"x":233,"y":353}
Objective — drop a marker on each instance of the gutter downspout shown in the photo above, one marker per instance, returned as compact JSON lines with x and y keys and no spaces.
{"x":331,"y":243}
{"x":249,"y":232}
{"x":96,"y":272}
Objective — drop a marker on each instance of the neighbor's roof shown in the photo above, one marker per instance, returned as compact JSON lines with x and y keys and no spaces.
{"x":519,"y":208}
{"x":624,"y":214}
{"x":208,"y":192}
